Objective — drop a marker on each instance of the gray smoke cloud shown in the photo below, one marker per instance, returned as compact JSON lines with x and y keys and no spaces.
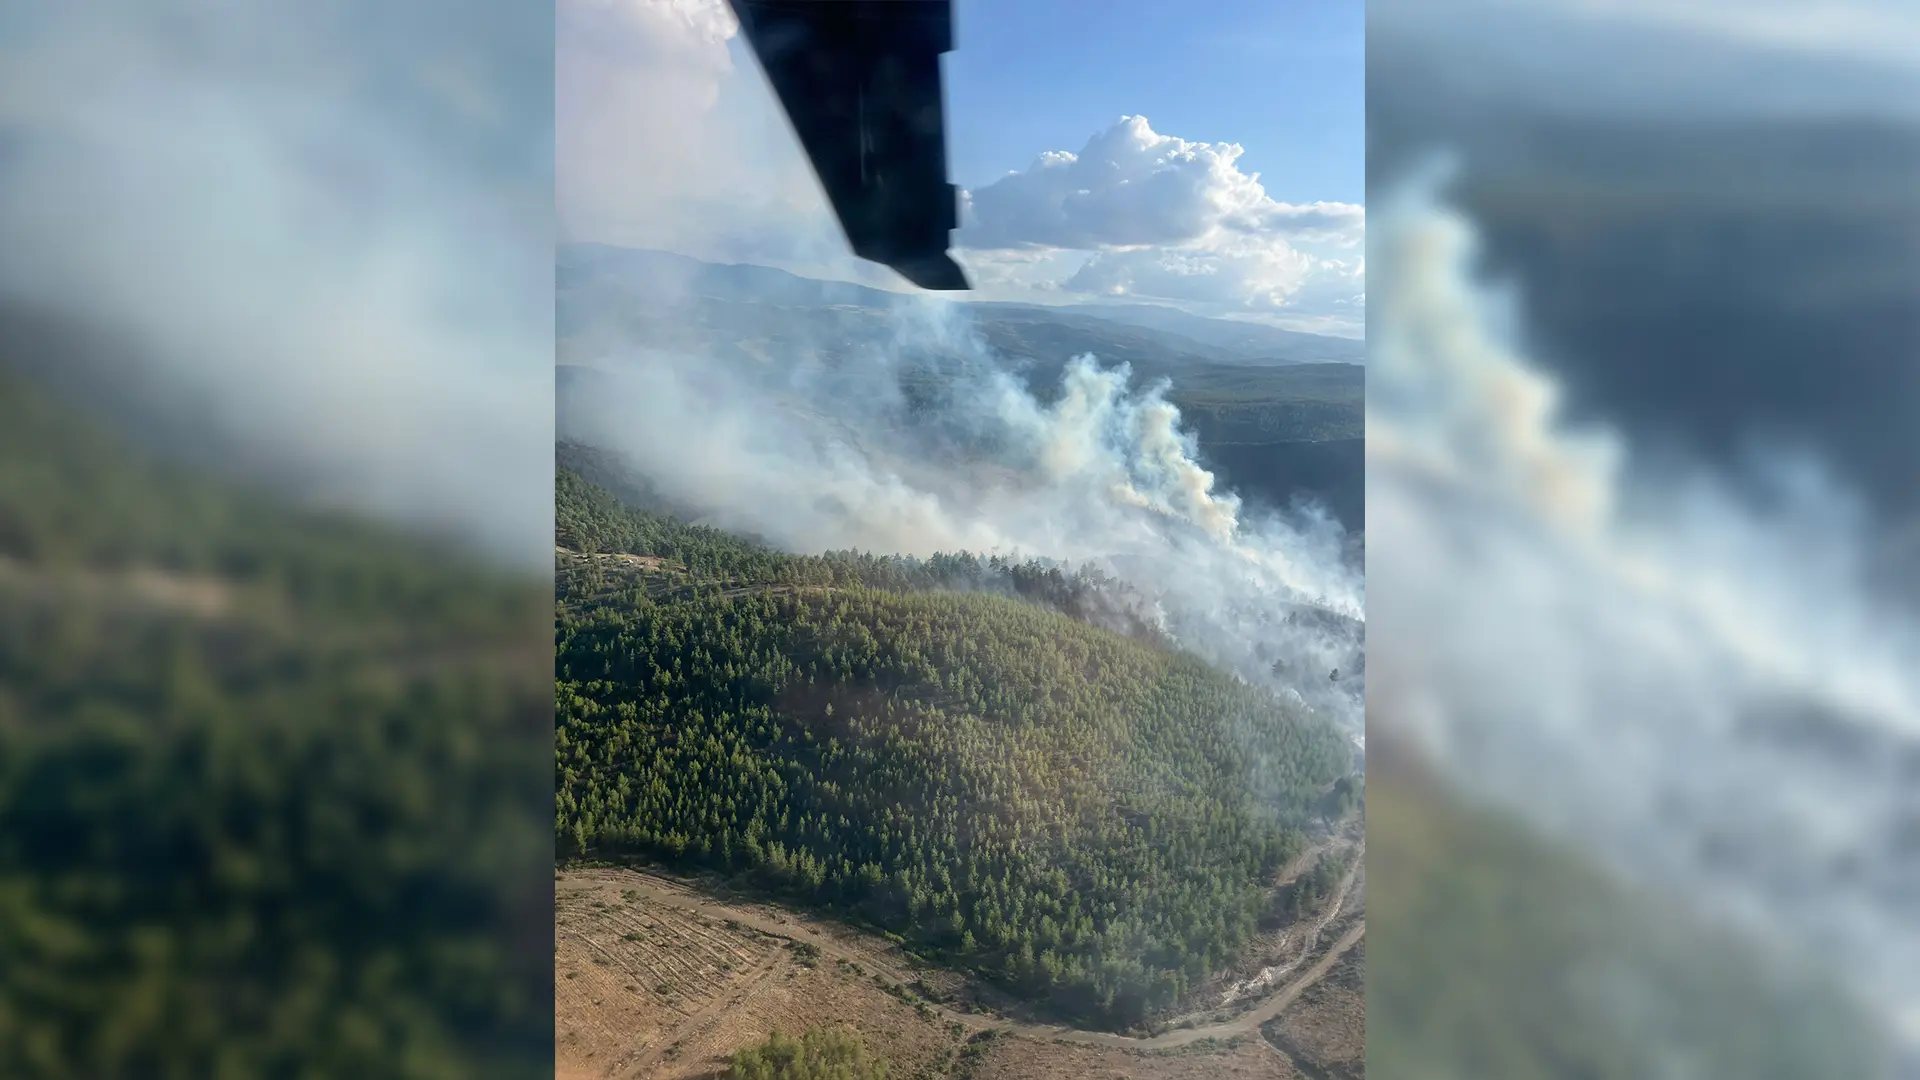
{"x":323,"y":233}
{"x":816,"y":453}
{"x":1700,"y":688}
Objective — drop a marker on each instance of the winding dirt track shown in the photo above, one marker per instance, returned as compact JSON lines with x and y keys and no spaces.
{"x":658,"y":891}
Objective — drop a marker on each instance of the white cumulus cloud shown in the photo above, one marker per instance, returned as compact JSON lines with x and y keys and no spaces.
{"x":667,"y":136}
{"x":1163,"y":218}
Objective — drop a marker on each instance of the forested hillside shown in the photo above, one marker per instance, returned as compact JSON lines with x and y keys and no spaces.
{"x":1090,"y":818}
{"x":263,"y":781}
{"x":590,"y":518}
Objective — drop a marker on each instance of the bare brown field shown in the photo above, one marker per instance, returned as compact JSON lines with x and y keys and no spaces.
{"x":1324,"y":1034}
{"x":656,"y":979}
{"x":649,"y":987}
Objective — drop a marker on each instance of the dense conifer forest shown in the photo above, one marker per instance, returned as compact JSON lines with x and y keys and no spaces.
{"x":956,"y":750}
{"x":265,"y":804}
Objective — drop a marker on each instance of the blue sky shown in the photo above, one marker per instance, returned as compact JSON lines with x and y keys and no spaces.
{"x":1283,"y":78}
{"x":1209,"y":157}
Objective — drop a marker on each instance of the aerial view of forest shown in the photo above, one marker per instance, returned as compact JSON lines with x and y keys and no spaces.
{"x":953,"y":750}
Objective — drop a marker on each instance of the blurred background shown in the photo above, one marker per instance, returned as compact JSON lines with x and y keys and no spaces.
{"x":275,"y":498}
{"x":1643,"y":441}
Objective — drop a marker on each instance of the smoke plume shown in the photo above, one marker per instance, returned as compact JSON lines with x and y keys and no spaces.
{"x":1696,"y":685}
{"x":930,"y":442}
{"x":323,"y":234}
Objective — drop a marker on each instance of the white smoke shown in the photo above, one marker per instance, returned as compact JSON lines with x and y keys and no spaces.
{"x":330,"y":235}
{"x":817,"y":455}
{"x":1704,"y":692}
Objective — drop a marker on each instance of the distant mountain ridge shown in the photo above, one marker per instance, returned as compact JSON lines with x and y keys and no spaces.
{"x":1171,"y":329}
{"x":719,"y":281}
{"x":1248,"y":340}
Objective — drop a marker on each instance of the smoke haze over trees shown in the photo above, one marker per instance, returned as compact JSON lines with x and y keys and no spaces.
{"x":1086,"y":818}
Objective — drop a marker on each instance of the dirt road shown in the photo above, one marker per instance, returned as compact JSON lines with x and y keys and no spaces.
{"x":660,"y":891}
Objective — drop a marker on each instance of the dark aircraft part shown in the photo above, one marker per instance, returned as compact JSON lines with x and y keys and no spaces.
{"x":860,"y":81}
